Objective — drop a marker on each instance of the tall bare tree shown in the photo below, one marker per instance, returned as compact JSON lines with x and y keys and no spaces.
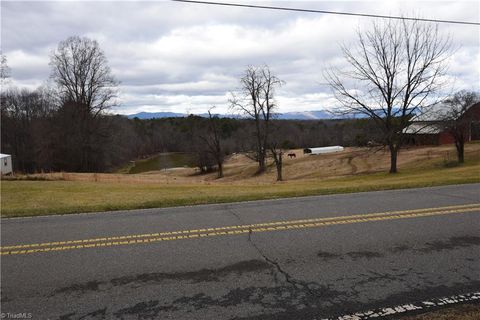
{"x":457,"y":120}
{"x":80,"y":70}
{"x":86,"y":89}
{"x":256,"y":99}
{"x":393,"y":74}
{"x":212,"y":140}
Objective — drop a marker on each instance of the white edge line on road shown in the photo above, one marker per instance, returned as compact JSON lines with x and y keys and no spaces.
{"x":423,"y":305}
{"x":152,"y":210}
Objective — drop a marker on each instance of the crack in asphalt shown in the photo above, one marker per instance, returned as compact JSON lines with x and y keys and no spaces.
{"x":232,"y":211}
{"x":288,"y":278}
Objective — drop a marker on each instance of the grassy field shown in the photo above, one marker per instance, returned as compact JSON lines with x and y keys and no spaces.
{"x":28,"y":198}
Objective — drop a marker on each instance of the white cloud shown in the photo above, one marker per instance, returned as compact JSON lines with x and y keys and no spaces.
{"x":27,"y":65}
{"x":175,"y":56}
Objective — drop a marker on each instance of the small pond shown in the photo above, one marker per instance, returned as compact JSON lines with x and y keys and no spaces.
{"x":163,"y":161}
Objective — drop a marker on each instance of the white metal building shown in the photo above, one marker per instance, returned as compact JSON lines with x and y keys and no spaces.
{"x":322,"y":150}
{"x":6,"y":163}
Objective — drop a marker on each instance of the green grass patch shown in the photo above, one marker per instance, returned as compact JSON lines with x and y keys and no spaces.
{"x":30,"y":198}
{"x":161,"y":161}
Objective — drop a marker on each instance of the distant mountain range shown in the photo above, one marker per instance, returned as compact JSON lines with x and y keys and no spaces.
{"x":305,"y":115}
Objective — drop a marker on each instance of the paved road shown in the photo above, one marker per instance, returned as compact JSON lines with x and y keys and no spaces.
{"x":305,"y":258}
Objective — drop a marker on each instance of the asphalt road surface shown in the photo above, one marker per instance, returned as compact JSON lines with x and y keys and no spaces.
{"x":304,"y":258}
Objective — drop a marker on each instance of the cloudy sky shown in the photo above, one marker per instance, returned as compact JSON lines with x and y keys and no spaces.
{"x":180,"y":57}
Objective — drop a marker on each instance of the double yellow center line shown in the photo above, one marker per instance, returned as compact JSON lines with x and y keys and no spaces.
{"x":230,"y":230}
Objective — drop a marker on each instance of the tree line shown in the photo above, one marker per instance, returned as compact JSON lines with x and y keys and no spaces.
{"x":44,"y":137}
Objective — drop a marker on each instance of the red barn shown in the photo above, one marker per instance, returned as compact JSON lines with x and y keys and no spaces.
{"x":435,"y":132}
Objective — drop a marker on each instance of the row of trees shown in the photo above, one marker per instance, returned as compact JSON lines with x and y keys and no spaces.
{"x":41,"y":136}
{"x":49,"y":141}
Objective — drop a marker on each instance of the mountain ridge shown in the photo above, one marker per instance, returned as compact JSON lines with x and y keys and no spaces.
{"x":297,"y":115}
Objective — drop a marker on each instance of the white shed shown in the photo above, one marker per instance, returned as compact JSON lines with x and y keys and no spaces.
{"x":322,"y":150}
{"x":6,"y":163}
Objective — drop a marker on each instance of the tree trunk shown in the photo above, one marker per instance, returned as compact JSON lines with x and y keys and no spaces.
{"x":260,"y":152}
{"x":393,"y":158}
{"x":279,"y":172}
{"x":460,"y":146}
{"x":220,"y":169}
{"x":261,"y":163}
{"x":278,"y":164}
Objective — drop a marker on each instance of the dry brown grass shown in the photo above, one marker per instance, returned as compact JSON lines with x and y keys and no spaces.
{"x":349,"y":171}
{"x":240,"y":170}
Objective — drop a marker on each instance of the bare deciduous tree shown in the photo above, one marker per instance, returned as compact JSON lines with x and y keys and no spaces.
{"x":256,"y":100}
{"x":457,"y":120}
{"x":86,"y":89}
{"x":213,"y":142}
{"x":394,"y":73}
{"x":80,"y":70}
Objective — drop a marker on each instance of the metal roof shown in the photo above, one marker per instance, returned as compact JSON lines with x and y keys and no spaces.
{"x":423,"y":128}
